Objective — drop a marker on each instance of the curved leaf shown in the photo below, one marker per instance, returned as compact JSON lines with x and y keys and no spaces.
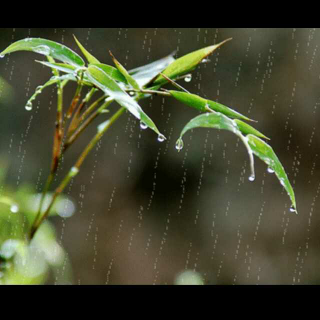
{"x":266,"y":154}
{"x":247,"y":129}
{"x":111,"y":71}
{"x":64,"y":79}
{"x":218,"y":121}
{"x":143,"y":75}
{"x":47,"y":48}
{"x":112,"y":89}
{"x":204,"y":105}
{"x":67,"y":69}
{"x":88,"y":55}
{"x":187,"y":63}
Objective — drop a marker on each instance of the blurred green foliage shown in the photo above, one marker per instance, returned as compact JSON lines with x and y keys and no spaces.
{"x":22,"y":262}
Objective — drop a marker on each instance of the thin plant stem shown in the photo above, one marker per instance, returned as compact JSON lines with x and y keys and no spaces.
{"x":174,"y":83}
{"x":56,"y":148}
{"x":75,"y":119}
{"x":91,"y":108}
{"x":75,"y":169}
{"x":85,"y":124}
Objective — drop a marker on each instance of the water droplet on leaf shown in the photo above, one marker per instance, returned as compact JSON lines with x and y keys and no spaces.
{"x":292,"y":209}
{"x":252,"y":178}
{"x":270,"y":170}
{"x":161,"y":138}
{"x":179,"y":145}
{"x":14,"y":208}
{"x":188,"y":78}
{"x":28,"y":106}
{"x":1,"y":56}
{"x":143,"y":126}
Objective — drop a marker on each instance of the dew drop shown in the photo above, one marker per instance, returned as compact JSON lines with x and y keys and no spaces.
{"x":179,"y":145}
{"x":14,"y":208}
{"x":143,"y":126}
{"x":188,"y":78}
{"x":28,"y":106}
{"x":252,"y":178}
{"x":270,"y":170}
{"x":1,"y":56}
{"x":292,"y":209}
{"x":161,"y":138}
{"x":131,"y":93}
{"x":206,"y":60}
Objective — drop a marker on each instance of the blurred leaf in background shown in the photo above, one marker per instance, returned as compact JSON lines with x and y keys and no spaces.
{"x":21,"y":263}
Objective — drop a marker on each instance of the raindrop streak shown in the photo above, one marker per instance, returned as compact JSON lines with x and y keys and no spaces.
{"x":270,"y":170}
{"x":179,"y":145}
{"x":28,"y":106}
{"x":188,"y":78}
{"x":161,"y":138}
{"x":143,"y":126}
{"x":252,"y":178}
{"x":14,"y":208}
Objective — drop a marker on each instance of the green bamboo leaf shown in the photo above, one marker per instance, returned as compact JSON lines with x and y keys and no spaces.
{"x":125,"y":73}
{"x":88,"y":55}
{"x":67,"y":68}
{"x":104,"y":82}
{"x":217,"y":121}
{"x":247,"y":129}
{"x":143,"y":75}
{"x":187,"y":63}
{"x":47,"y":48}
{"x":262,"y":150}
{"x":205,"y":105}
{"x":64,"y":79}
{"x":114,"y":73}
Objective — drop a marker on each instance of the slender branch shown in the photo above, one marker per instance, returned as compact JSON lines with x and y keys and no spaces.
{"x":76,"y":117}
{"x":56,"y":153}
{"x":174,"y":83}
{"x":85,"y":124}
{"x":75,"y":169}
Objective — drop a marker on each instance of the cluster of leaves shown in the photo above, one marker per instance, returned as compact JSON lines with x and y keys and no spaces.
{"x":126,"y":88}
{"x":22,"y":262}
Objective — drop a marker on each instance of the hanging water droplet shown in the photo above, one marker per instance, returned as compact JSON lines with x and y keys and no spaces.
{"x":28,"y":106}
{"x":252,"y":178}
{"x":206,"y":60}
{"x":292,"y":209}
{"x":270,"y":170}
{"x":131,"y":93}
{"x":179,"y":144}
{"x":143,"y":126}
{"x":188,"y":78}
{"x":1,"y":56}
{"x":14,"y":208}
{"x":39,"y":89}
{"x":161,"y":138}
